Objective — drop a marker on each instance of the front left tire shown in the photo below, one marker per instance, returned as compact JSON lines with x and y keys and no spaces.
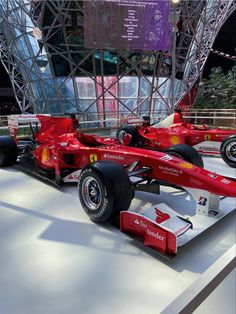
{"x":104,"y":190}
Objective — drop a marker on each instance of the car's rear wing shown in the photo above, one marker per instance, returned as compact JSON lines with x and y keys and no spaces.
{"x":17,"y":121}
{"x":144,"y":120}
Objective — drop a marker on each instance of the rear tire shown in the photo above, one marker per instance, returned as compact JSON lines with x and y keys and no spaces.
{"x":127,"y":129}
{"x":186,"y":152}
{"x":104,"y":190}
{"x":8,"y":151}
{"x":228,"y":150}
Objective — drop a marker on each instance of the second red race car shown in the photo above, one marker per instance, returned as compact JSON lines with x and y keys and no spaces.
{"x":173,"y":130}
{"x":108,"y":174}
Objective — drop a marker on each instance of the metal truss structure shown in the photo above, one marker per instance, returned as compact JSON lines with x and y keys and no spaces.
{"x":42,"y":49}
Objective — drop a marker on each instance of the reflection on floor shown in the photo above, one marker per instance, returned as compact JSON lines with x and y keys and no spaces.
{"x":217,"y":165}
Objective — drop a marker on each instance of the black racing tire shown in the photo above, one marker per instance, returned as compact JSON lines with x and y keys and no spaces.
{"x":186,"y":152}
{"x":228,"y":150}
{"x":104,"y":190}
{"x":127,"y":129}
{"x":8,"y":151}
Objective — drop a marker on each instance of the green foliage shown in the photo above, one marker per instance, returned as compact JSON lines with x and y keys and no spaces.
{"x":219,"y":91}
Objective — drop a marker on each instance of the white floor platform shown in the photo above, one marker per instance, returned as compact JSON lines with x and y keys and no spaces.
{"x":54,"y":260}
{"x":217,"y":165}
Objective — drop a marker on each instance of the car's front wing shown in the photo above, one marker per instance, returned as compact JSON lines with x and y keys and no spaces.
{"x":165,"y":229}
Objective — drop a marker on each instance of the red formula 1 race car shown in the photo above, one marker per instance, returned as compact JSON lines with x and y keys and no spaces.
{"x":173,"y":130}
{"x":109,"y":173}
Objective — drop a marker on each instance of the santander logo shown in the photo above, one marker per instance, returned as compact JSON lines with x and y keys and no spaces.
{"x":112,"y":156}
{"x":140,"y":223}
{"x":149,"y":232}
{"x":155,"y":235}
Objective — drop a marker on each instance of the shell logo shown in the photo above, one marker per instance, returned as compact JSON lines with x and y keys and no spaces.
{"x":186,"y":165}
{"x":44,"y":154}
{"x":174,"y":139}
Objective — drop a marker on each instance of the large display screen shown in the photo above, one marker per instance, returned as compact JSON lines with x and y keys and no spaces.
{"x":127,"y":25}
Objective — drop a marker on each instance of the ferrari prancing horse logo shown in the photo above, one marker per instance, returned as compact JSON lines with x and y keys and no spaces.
{"x":207,"y":137}
{"x":93,"y":158}
{"x":44,"y":154}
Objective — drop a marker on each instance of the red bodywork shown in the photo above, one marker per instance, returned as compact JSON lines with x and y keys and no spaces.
{"x":180,"y":133}
{"x":62,"y":147}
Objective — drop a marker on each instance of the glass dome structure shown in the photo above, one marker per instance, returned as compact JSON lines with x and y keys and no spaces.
{"x":66,"y":56}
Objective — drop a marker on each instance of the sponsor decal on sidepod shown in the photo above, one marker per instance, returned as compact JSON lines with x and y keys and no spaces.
{"x":173,"y":171}
{"x":110,"y":156}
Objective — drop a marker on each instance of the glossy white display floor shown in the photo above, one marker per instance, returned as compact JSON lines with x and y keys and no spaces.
{"x":217,"y":165}
{"x":54,"y":260}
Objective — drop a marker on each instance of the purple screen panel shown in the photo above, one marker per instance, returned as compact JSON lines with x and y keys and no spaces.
{"x":127,"y":25}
